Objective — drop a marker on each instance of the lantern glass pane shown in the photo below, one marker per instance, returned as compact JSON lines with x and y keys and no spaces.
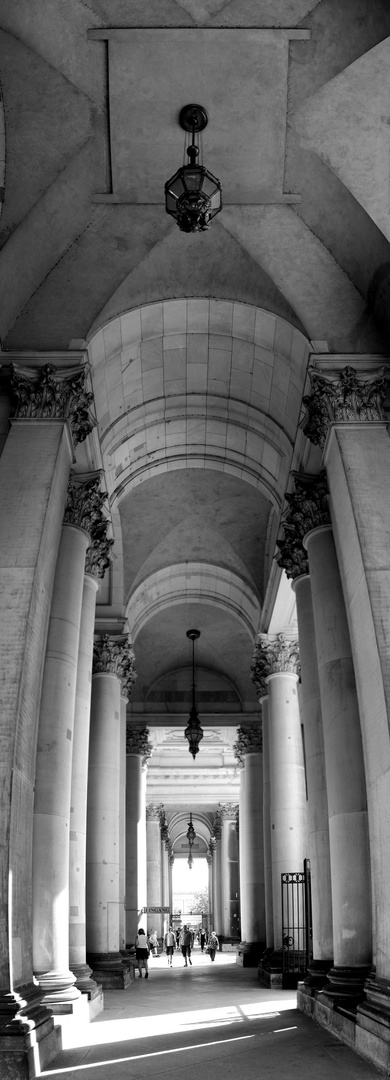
{"x":209,"y":185}
{"x":193,"y":179}
{"x":170,"y":202}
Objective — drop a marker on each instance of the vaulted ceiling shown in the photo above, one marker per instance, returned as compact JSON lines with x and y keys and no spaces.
{"x":198,"y":344}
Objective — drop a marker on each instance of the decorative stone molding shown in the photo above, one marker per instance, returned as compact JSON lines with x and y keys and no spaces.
{"x":345,"y":396}
{"x":217,"y":825}
{"x":274,"y":655}
{"x":308,"y":507}
{"x":115,"y":656}
{"x":97,"y":559}
{"x":52,"y":393}
{"x":153,"y":812}
{"x":249,"y":741}
{"x":138,"y":742}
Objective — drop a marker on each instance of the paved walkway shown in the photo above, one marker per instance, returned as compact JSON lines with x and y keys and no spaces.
{"x":211,"y":1021}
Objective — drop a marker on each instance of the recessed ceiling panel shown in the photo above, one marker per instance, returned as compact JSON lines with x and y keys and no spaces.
{"x":240,"y":79}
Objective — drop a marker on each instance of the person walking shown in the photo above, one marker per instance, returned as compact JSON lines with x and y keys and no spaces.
{"x":213,"y":945}
{"x":185,"y":944}
{"x":170,"y":942}
{"x":142,"y":952}
{"x":202,"y":939}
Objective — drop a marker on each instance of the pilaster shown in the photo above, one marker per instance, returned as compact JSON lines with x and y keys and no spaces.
{"x":138,"y":753}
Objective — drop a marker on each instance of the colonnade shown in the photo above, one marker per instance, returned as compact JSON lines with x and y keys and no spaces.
{"x":314,"y":774}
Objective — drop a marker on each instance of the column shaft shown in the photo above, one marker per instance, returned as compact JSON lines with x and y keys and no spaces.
{"x":230,"y":879}
{"x":348,"y":830}
{"x":34,"y":471}
{"x":318,"y":824}
{"x":357,"y":459}
{"x":103,"y":898}
{"x":269,"y":919}
{"x":54,"y":772}
{"x":217,"y":889}
{"x":78,"y":807}
{"x":154,"y":872}
{"x":135,"y":844}
{"x":288,"y":791}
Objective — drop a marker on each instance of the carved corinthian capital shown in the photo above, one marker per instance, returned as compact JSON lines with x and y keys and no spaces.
{"x":277,"y":655}
{"x":228,"y":811}
{"x":115,"y":656}
{"x":249,"y":741}
{"x":307,"y":508}
{"x":138,"y":742}
{"x":153,"y":812}
{"x":84,"y":501}
{"x":52,"y":393}
{"x":347,"y":395}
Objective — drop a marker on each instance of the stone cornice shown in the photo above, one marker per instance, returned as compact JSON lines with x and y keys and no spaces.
{"x":51,"y":393}
{"x":115,"y":656}
{"x":138,"y":742}
{"x":347,"y":395}
{"x":308,"y":508}
{"x":249,"y":741}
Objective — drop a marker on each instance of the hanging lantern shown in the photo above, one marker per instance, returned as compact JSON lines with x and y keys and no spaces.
{"x":193,"y":196}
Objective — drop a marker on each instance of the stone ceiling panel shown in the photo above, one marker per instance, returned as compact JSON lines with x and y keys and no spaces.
{"x":145,"y":139}
{"x":346,"y":124}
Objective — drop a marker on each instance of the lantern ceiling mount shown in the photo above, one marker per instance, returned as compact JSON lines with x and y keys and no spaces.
{"x":193,"y":118}
{"x":193,"y":196}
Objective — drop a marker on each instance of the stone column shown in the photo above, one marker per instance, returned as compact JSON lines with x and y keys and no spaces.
{"x":276,"y":661}
{"x":113,"y":672}
{"x":54,"y":754}
{"x":352,"y":428}
{"x":122,"y":826}
{"x":293,"y":558}
{"x":209,"y":859}
{"x":269,"y":915}
{"x":230,"y":872}
{"x":248,"y":750}
{"x":34,"y":473}
{"x":217,"y":875}
{"x":138,"y":751}
{"x":97,"y":561}
{"x":154,"y":869}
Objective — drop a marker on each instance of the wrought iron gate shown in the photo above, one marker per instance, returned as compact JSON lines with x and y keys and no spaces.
{"x":296,"y":925}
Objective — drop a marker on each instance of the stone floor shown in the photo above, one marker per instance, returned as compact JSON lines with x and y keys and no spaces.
{"x":211,"y":1021}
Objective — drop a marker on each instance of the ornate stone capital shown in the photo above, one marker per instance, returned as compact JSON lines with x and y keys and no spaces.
{"x":153,"y":812}
{"x":53,"y":393}
{"x":308,"y":507}
{"x":277,"y":655}
{"x":228,"y":811}
{"x":217,"y":825}
{"x":345,"y":396}
{"x":138,"y":742}
{"x":115,"y":656}
{"x":84,"y":501}
{"x":97,"y":559}
{"x":249,"y":741}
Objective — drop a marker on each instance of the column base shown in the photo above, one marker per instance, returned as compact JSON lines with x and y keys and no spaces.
{"x":28,"y":1038}
{"x":84,"y":983}
{"x":373,"y":1023}
{"x":345,"y":985}
{"x":249,"y":953}
{"x":111,"y":970}
{"x":58,"y":991}
{"x":317,"y":973}
{"x":270,"y":970}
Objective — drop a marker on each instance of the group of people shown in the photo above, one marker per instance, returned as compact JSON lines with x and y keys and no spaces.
{"x":183,"y":939}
